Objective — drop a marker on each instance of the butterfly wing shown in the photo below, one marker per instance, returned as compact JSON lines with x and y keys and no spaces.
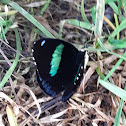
{"x":58,"y":67}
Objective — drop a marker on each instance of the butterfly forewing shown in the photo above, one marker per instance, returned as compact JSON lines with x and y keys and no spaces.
{"x":59,"y":67}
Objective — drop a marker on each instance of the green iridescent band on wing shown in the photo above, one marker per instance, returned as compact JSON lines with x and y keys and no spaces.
{"x":56,"y":58}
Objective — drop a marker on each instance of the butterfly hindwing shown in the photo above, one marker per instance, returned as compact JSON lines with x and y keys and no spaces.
{"x":59,"y":67}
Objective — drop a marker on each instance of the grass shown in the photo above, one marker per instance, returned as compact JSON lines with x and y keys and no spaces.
{"x":103,"y":44}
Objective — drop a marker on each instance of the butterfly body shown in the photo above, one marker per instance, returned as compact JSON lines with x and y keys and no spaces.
{"x":60,"y":67}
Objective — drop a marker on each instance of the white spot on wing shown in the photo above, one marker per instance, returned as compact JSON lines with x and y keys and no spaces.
{"x":43,"y":42}
{"x":81,"y":67}
{"x":32,"y":50}
{"x":33,"y":58}
{"x":86,"y":59}
{"x":79,"y":74}
{"x":35,"y":63}
{"x":77,"y":78}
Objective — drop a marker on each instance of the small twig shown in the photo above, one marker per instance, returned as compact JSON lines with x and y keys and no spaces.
{"x":11,"y":48}
{"x":7,"y":60}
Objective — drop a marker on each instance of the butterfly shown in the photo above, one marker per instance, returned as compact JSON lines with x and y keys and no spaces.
{"x":60,"y":66}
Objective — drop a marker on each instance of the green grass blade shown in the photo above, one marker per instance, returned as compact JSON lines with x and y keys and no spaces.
{"x":29,"y":17}
{"x":3,"y":34}
{"x":11,"y":69}
{"x":106,"y":50}
{"x":118,"y":29}
{"x":117,"y":24}
{"x":100,"y":73}
{"x":100,"y":8}
{"x":115,"y":67}
{"x":114,"y":89}
{"x":80,"y":24}
{"x":124,"y":5}
{"x":118,"y":44}
{"x":6,"y":25}
{"x":5,"y":1}
{"x":114,"y":7}
{"x":119,"y":112}
{"x":121,"y":17}
{"x":83,"y":12}
{"x":107,"y":1}
{"x":45,"y":7}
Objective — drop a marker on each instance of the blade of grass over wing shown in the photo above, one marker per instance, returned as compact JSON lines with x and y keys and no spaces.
{"x":11,"y":69}
{"x":29,"y":17}
{"x":83,"y":12}
{"x":114,"y":89}
{"x":119,"y":112}
{"x":100,"y":8}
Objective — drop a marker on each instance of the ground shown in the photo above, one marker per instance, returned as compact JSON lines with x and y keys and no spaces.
{"x":93,"y":104}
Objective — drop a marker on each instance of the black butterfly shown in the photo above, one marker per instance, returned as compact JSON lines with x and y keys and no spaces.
{"x":60,"y":66}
